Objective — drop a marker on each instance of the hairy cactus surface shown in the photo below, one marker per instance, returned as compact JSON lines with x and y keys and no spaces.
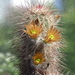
{"x":39,"y":40}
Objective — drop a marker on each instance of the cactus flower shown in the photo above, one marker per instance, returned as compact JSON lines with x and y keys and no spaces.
{"x":53,"y":35}
{"x":38,"y":58}
{"x":33,"y":30}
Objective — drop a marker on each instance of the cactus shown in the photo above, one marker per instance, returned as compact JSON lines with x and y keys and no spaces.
{"x":39,"y":43}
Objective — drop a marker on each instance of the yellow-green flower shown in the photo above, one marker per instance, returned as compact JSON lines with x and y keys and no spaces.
{"x":33,"y":29}
{"x":38,"y":58}
{"x":53,"y":35}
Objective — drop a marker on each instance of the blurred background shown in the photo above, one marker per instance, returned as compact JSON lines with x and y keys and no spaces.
{"x":66,"y":9}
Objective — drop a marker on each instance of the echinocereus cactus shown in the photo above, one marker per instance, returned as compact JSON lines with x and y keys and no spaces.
{"x":39,"y":41}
